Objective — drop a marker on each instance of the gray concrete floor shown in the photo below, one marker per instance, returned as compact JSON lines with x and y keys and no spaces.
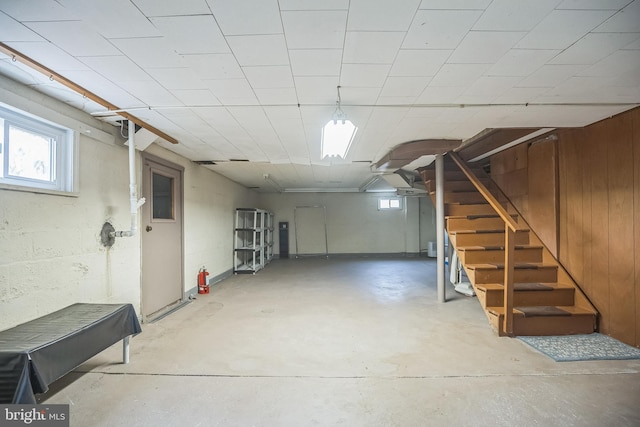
{"x":355,"y":342}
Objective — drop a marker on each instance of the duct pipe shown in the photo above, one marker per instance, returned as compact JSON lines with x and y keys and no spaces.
{"x":134,"y":202}
{"x":440,"y":226}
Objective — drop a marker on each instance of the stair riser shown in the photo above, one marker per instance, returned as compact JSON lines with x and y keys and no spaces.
{"x":542,"y":275}
{"x":450,"y":175}
{"x":454,"y":186}
{"x":464,"y":198}
{"x":454,"y":224}
{"x":557,"y":297}
{"x":461,"y":210}
{"x":486,"y":239}
{"x":493,"y":256}
{"x":550,"y":325}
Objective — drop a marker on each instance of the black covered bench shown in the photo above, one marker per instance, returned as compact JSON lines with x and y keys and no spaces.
{"x":36,"y":353}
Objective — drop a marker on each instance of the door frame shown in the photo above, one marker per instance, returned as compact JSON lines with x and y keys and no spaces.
{"x":146,"y":157}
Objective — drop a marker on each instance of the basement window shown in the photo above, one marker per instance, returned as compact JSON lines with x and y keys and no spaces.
{"x":36,"y":155}
{"x":389,"y":203}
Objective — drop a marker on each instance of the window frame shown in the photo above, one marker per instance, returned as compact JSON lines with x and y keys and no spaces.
{"x":63,"y":158}
{"x":390,"y":208}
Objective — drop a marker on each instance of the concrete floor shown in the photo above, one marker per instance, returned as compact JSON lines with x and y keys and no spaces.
{"x":354,"y":342}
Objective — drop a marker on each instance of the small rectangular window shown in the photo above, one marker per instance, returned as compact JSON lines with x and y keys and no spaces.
{"x":35,"y":153}
{"x":389,"y":203}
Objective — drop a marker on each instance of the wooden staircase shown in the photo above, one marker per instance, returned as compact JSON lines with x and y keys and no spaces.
{"x":543,"y":298}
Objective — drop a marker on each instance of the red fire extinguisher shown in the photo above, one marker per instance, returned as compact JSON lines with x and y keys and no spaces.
{"x":203,"y":288}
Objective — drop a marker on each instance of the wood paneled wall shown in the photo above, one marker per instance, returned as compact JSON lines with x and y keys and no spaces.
{"x":598,"y":212}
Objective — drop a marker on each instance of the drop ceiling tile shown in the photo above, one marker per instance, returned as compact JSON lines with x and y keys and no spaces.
{"x":247,"y":17}
{"x":197,"y":97}
{"x":455,"y":4}
{"x":626,"y":20}
{"x":314,"y":29}
{"x":316,"y":62}
{"x":364,"y":75}
{"x":521,"y":95}
{"x":177,"y":78}
{"x":192,"y":34}
{"x":439,"y":29}
{"x":232,"y":91}
{"x":74,"y":37}
{"x":112,"y":19}
{"x":521,"y":62}
{"x":151,"y":93}
{"x":13,"y":31}
{"x":359,"y":95}
{"x":381,"y":15}
{"x":615,"y":65}
{"x":416,"y":62}
{"x":314,"y":5}
{"x":317,"y":90}
{"x":151,"y":52}
{"x":484,"y":47}
{"x":49,"y":55}
{"x":514,"y":15}
{"x":269,"y":77}
{"x":551,"y":75}
{"x":594,"y":47}
{"x":116,"y":68}
{"x":459,"y":74}
{"x":277,"y":96}
{"x":214,"y":66}
{"x":561,"y":28}
{"x":487,"y":88}
{"x":102,"y":87}
{"x":172,"y":8}
{"x":440,"y":95}
{"x":404,"y":86}
{"x":259,"y":50}
{"x":37,"y":10}
{"x":396,"y":100}
{"x":592,"y":4}
{"x":365,"y":47}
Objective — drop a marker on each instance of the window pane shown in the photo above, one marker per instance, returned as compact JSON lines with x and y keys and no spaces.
{"x":394,"y":203}
{"x":30,"y":155}
{"x":384,"y":204}
{"x":162,"y":188}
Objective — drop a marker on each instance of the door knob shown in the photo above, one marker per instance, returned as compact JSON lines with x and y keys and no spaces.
{"x":149,"y":228}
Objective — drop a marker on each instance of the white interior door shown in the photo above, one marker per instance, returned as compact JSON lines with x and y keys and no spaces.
{"x":161,"y":228}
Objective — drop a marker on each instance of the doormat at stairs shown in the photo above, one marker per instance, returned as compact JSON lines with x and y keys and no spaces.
{"x":571,"y":348}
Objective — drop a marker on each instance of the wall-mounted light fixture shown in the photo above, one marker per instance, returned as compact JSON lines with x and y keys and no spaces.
{"x":337,"y":134}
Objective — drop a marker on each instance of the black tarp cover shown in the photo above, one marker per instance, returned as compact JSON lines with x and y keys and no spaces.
{"x":36,"y":353}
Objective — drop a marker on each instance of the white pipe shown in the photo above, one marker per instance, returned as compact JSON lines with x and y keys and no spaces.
{"x":440,"y":226}
{"x":134,"y":203}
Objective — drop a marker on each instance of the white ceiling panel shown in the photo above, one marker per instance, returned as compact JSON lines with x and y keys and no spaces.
{"x":561,"y":28}
{"x":514,"y":15}
{"x":112,"y":19}
{"x":177,"y":78}
{"x":192,"y":34}
{"x":314,"y":29}
{"x":484,"y":47}
{"x":364,"y":75}
{"x":365,"y":47}
{"x":151,"y":52}
{"x":408,"y":69}
{"x":74,"y":37}
{"x":172,"y":8}
{"x":259,"y":50}
{"x":247,"y":16}
{"x":521,"y":62}
{"x":316,"y":62}
{"x":269,"y":77}
{"x":416,"y":62}
{"x":214,"y":66}
{"x":593,"y":47}
{"x":439,"y":29}
{"x":195,"y":97}
{"x":381,"y":15}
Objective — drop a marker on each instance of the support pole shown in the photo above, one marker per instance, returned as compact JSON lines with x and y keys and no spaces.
{"x":125,"y":350}
{"x":440,"y":226}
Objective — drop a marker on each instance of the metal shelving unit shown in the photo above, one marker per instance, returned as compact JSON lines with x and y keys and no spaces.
{"x":253,"y":240}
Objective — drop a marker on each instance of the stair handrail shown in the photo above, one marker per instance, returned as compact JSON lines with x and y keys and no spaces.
{"x":510,"y":228}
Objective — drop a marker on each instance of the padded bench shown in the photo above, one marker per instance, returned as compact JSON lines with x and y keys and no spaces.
{"x":36,"y":353}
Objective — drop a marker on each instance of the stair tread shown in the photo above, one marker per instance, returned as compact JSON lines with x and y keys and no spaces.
{"x":519,"y":287}
{"x":485,"y":231}
{"x":517,"y":265}
{"x":478,"y":216}
{"x":546,"y":311}
{"x":496,"y":248}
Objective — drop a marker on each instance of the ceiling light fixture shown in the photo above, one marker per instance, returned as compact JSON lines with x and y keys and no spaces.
{"x":337,"y":134}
